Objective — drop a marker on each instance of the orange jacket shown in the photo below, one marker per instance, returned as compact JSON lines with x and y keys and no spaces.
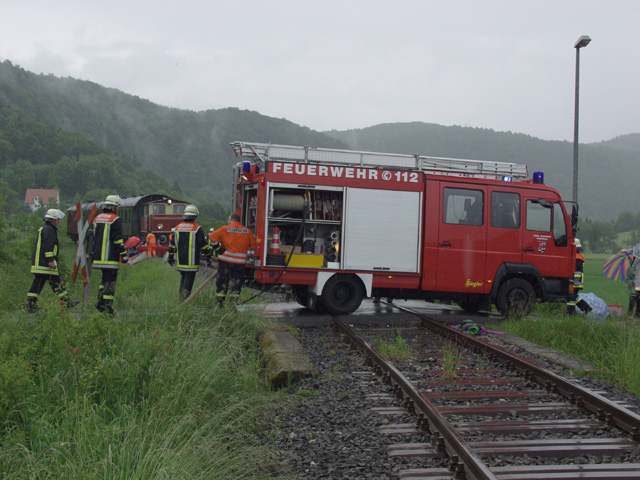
{"x":236,"y":240}
{"x":151,"y":240}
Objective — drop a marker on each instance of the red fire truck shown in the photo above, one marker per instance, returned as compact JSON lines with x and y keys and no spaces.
{"x":341,"y":225}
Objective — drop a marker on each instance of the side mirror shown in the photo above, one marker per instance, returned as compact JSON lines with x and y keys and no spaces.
{"x":574,"y":219}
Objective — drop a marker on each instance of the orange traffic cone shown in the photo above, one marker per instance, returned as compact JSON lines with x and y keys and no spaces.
{"x":275,"y":242}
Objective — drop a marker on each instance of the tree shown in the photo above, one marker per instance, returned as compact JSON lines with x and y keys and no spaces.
{"x":599,"y":237}
{"x":626,"y":222}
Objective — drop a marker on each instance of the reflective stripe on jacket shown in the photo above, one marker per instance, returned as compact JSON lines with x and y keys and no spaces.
{"x":46,"y":251}
{"x":188,"y":243}
{"x":108,"y":243}
{"x":236,"y":240}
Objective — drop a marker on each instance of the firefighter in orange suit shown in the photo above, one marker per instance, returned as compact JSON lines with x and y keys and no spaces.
{"x":151,"y":245}
{"x":236,"y":241}
{"x":188,"y":245}
{"x":108,"y":251}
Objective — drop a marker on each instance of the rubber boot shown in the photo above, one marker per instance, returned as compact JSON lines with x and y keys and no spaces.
{"x":31,"y":306}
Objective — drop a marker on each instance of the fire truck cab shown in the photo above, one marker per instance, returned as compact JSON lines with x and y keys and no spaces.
{"x":341,"y":225}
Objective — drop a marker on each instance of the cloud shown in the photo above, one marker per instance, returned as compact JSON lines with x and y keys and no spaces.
{"x":338,"y":65}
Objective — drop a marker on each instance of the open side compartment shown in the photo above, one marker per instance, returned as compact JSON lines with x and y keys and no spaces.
{"x":306,"y":224}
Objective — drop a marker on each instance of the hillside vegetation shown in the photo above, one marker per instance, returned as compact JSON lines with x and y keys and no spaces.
{"x":190,"y":150}
{"x":35,"y":154}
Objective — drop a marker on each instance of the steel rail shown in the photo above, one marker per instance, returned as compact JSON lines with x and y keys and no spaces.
{"x":578,"y":395}
{"x":456,"y":446}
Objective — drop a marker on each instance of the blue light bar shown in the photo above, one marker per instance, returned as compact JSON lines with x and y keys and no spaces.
{"x":507,"y":178}
{"x":538,"y":177}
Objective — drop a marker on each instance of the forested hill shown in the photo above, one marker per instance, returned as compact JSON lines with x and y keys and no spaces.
{"x":36,"y":154}
{"x":190,"y":148}
{"x":630,"y":143}
{"x":604,"y":189}
{"x":191,"y":152}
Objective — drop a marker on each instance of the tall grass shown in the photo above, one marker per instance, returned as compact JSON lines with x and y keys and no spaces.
{"x":613,"y":345}
{"x":161,"y":391}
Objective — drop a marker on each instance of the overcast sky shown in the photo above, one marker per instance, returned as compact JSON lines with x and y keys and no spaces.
{"x":507,"y":65}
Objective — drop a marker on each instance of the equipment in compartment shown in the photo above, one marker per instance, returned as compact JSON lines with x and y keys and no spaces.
{"x":327,"y":206}
{"x":289,"y":203}
{"x":321,"y":211}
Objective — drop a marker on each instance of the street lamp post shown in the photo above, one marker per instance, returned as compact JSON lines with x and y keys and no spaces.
{"x":583,"y":41}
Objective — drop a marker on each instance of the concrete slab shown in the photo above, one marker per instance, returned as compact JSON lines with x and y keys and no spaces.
{"x":286,"y":362}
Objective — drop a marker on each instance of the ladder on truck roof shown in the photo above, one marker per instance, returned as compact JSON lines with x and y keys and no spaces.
{"x":264,"y":152}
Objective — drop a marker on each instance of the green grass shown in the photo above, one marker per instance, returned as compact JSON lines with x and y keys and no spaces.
{"x":613,"y":346}
{"x":614,"y":293}
{"x":161,"y":391}
{"x":397,"y":350}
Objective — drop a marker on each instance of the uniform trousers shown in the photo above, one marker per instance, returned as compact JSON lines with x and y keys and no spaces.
{"x":107,"y":289}
{"x":230,"y":272}
{"x":187,"y":280}
{"x":38,"y":284}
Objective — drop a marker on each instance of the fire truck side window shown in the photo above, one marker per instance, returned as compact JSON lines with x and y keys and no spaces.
{"x":463,"y":207}
{"x":559,"y":226}
{"x":538,"y":217}
{"x":505,"y":210}
{"x":159,"y":209}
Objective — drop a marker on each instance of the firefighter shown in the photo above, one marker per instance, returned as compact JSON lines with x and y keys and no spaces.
{"x":45,"y":263}
{"x":578,"y":280}
{"x":108,"y":251}
{"x":236,"y":241}
{"x":188,"y":245}
{"x":151,"y":244}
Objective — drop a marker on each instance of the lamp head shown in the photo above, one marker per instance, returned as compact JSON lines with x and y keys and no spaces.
{"x":583,"y":41}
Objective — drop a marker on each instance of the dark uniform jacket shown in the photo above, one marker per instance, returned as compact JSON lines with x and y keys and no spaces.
{"x":108,"y":243}
{"x":189,"y":242}
{"x":46,"y":250}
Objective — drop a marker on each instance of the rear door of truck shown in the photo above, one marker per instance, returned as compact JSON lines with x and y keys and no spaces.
{"x":462,"y":238}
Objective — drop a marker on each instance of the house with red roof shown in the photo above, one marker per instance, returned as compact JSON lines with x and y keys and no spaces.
{"x":41,"y":198}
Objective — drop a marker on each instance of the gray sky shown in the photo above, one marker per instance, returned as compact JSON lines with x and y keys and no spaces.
{"x":507,"y":65}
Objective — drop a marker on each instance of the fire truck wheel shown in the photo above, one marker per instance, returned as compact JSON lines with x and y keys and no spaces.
{"x":516,"y":298}
{"x":300,"y":294}
{"x":342,"y":294}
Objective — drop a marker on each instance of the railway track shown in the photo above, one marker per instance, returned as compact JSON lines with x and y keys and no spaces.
{"x":490,"y":414}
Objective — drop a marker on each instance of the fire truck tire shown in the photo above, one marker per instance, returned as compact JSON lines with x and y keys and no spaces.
{"x":342,"y":294}
{"x":300,"y":294}
{"x":515,"y":298}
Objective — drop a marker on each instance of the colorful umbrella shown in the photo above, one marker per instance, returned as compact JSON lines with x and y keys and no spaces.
{"x":617,"y":266}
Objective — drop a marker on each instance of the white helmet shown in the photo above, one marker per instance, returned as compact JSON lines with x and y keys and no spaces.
{"x":190,"y":211}
{"x":112,"y":200}
{"x":54,"y":214}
